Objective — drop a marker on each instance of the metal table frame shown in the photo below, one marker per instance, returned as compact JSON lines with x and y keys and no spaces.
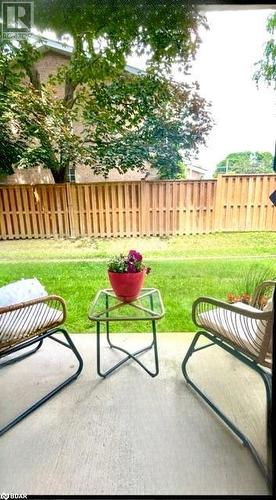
{"x":104,"y":316}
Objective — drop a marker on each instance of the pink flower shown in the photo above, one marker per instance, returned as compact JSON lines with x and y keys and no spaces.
{"x":131,"y":268}
{"x":135,"y":255}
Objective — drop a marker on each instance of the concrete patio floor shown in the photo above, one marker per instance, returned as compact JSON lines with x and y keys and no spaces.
{"x":131,"y":434}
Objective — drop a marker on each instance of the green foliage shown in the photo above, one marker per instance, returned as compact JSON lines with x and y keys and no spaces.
{"x":142,"y":119}
{"x":38,"y":128}
{"x":246,"y":162}
{"x":130,"y":263}
{"x":249,"y":279}
{"x":9,"y":78}
{"x":117,"y":264}
{"x":106,"y":31}
{"x":128,"y":122}
{"x":125,"y":123}
{"x":182,"y":170}
{"x":266,"y":68}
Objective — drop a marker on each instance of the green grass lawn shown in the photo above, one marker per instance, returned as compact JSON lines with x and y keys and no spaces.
{"x":204,"y":245}
{"x":180,"y":282}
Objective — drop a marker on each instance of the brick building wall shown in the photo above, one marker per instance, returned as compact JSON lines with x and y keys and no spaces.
{"x":48,"y":65}
{"x":35,"y":175}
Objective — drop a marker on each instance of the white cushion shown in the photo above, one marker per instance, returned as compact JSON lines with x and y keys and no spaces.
{"x":268,"y":306}
{"x":21,"y":322}
{"x":243,"y":331}
{"x":21,"y":291}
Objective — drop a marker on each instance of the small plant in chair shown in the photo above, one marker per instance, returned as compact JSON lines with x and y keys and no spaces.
{"x":247,"y":283}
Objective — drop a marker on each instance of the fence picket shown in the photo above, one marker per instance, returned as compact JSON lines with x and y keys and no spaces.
{"x":230,"y":203}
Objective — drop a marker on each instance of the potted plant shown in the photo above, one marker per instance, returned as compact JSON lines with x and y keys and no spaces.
{"x":247,"y":283}
{"x":126,"y":274}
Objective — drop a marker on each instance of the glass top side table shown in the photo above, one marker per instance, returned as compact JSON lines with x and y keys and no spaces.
{"x":106,"y":308}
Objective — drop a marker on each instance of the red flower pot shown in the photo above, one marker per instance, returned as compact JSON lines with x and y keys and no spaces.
{"x":127,"y":286}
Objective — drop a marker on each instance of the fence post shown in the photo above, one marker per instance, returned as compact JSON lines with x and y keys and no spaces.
{"x":219,"y":203}
{"x":70,"y":209}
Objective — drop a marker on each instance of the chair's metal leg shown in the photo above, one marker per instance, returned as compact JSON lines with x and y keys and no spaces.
{"x":23,"y":356}
{"x":55,"y":390}
{"x":267,"y":379}
{"x":190,"y":352}
{"x":188,"y":355}
{"x":229,"y":423}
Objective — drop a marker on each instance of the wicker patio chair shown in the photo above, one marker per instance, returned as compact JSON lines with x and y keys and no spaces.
{"x":245,"y":331}
{"x":28,"y":324}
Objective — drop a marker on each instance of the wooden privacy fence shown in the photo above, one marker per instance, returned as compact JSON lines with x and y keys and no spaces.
{"x":161,"y":208}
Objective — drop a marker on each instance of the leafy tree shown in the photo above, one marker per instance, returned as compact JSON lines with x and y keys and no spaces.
{"x":35,"y":127}
{"x":246,"y":163}
{"x":39,"y":132}
{"x":126,"y":123}
{"x":105,"y":32}
{"x":128,"y":120}
{"x":11,"y":75}
{"x":144,"y":119}
{"x":266,"y":71}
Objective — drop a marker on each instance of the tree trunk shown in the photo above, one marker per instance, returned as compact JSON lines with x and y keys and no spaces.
{"x":71,"y":85}
{"x":34,"y":77}
{"x":68,"y":102}
{"x":69,"y":92}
